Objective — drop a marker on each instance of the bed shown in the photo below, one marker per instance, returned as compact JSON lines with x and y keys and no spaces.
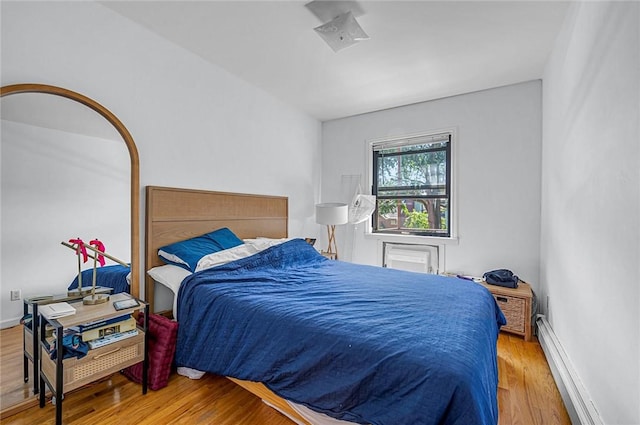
{"x":325,"y":340}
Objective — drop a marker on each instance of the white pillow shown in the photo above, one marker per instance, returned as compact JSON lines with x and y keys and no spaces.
{"x":264,"y":243}
{"x":226,"y":256}
{"x":169,"y":275}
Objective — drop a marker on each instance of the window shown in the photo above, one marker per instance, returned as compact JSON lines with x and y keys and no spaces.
{"x":412,"y":184}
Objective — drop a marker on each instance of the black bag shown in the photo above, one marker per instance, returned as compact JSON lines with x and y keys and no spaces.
{"x":501,"y":277}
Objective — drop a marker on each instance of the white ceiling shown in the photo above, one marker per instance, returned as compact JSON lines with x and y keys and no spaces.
{"x":418,"y":51}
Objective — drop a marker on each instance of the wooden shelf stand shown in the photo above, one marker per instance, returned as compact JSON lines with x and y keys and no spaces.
{"x":30,"y":335}
{"x":63,"y":375}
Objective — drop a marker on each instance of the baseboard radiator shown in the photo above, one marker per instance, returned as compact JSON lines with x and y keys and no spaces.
{"x":576,"y":399}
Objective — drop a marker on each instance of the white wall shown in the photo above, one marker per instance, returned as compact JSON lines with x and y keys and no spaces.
{"x":497,"y":167}
{"x":194,"y":124}
{"x":590,"y":247}
{"x":58,"y":186}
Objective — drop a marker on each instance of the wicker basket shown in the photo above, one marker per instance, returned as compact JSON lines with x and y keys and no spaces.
{"x":513,"y":310}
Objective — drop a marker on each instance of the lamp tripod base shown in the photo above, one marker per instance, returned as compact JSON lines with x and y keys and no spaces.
{"x":95,"y":299}
{"x":332,"y":248}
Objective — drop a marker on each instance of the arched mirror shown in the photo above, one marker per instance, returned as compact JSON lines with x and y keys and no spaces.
{"x":70,"y":169}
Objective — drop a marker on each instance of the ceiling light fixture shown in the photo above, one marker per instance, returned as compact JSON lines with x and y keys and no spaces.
{"x":342,"y":30}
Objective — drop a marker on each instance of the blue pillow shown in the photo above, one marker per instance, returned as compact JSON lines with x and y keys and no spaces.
{"x":225,"y":238}
{"x":113,"y":276}
{"x":186,"y":254}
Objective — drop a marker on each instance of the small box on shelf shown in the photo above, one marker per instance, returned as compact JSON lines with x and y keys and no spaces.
{"x":57,"y":310}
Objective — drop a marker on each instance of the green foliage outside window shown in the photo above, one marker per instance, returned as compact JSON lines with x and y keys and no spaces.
{"x":415,"y":219}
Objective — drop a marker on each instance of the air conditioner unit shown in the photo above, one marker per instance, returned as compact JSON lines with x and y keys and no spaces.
{"x":414,"y":258}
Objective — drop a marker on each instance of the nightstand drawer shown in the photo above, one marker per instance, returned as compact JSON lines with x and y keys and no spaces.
{"x":97,"y":363}
{"x":514,"y":311}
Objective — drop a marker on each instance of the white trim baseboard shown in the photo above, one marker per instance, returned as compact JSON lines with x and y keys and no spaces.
{"x":10,"y":322}
{"x":576,"y":399}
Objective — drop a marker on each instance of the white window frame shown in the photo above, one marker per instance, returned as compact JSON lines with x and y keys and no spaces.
{"x":452,"y":239}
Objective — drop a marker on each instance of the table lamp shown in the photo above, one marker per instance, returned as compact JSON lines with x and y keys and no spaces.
{"x":80,"y":247}
{"x":332,"y":214}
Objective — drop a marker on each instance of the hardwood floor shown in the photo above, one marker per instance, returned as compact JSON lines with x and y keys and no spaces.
{"x":13,"y":389}
{"x":527,"y":395}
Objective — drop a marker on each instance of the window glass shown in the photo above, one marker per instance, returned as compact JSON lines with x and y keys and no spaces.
{"x":411,"y":181}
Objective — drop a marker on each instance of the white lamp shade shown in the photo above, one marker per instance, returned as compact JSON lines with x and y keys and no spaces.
{"x":332,"y":213}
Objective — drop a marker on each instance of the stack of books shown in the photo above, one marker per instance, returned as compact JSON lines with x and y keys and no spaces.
{"x":104,"y":332}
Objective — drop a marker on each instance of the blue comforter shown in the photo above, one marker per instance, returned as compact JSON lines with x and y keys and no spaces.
{"x":360,"y":343}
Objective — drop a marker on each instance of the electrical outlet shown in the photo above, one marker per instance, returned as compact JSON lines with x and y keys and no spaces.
{"x":547,"y":306}
{"x":16,"y":294}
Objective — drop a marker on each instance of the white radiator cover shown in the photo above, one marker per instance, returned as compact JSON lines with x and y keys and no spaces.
{"x":414,"y":258}
{"x":576,"y":399}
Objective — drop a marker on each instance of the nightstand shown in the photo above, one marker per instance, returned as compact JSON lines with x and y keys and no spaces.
{"x":329,"y":255}
{"x":64,"y":375}
{"x":515,"y":304}
{"x":30,"y":335}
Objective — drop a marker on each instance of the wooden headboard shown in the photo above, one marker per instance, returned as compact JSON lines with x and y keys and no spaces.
{"x":174,"y":214}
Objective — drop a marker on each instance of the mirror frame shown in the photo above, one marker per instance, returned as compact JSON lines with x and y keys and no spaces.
{"x":133,"y":153}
